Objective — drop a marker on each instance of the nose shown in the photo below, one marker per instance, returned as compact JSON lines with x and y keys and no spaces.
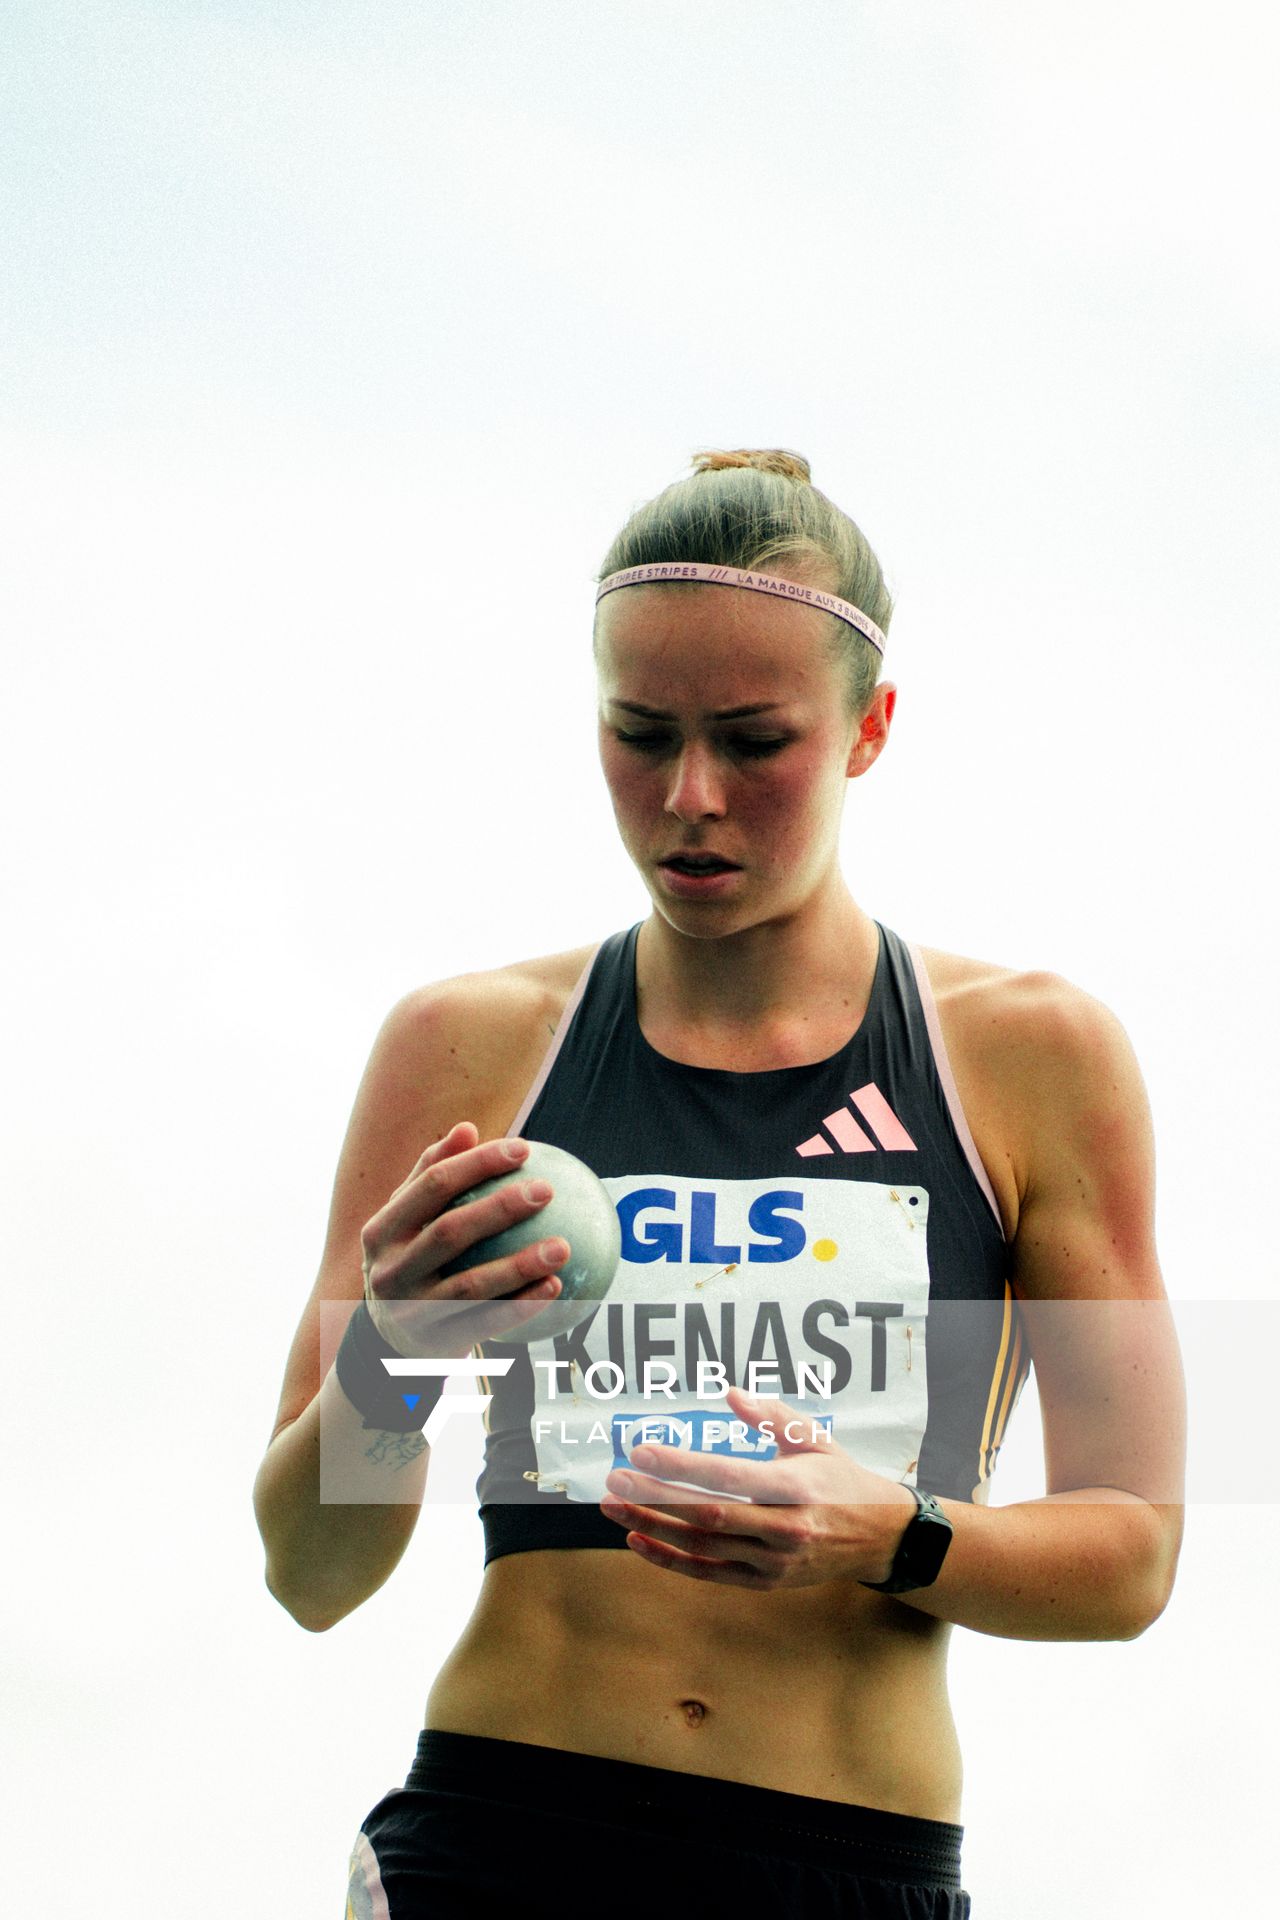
{"x":696,"y":791}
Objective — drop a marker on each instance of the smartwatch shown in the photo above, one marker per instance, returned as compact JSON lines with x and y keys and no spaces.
{"x":921,"y":1550}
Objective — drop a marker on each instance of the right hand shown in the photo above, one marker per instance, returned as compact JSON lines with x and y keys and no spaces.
{"x":417,"y":1232}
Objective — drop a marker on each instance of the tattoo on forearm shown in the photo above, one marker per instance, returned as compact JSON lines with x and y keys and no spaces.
{"x":398,"y":1448}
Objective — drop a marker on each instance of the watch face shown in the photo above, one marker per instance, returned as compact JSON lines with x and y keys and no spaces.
{"x":921,"y":1550}
{"x":924,"y":1545}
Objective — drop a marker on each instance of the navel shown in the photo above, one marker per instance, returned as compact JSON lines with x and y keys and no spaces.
{"x":694,"y":1712}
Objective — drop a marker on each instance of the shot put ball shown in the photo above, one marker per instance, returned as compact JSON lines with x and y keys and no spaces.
{"x":579,"y":1211}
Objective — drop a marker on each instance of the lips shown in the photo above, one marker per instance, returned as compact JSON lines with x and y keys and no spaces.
{"x":698,"y":863}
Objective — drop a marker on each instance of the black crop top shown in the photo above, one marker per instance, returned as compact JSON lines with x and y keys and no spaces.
{"x":831,"y":1223}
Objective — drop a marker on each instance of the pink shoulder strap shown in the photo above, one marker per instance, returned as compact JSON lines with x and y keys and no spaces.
{"x":557,"y":1041}
{"x":942,"y":1062}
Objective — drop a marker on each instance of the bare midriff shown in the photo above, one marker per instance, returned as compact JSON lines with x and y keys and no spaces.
{"x":826,"y":1690}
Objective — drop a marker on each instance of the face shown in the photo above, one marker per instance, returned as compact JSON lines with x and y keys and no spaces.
{"x":727,"y":747}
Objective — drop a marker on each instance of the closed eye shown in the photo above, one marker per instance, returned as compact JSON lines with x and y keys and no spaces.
{"x":643,"y":739}
{"x":755,"y":748}
{"x":750,"y":746}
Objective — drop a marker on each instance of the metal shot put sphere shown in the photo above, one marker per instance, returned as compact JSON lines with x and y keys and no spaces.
{"x":579,"y":1211}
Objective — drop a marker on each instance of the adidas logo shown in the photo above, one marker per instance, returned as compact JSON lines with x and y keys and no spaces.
{"x":849,"y":1136}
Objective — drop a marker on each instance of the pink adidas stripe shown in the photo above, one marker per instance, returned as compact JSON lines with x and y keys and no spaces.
{"x":882,"y":1119}
{"x":846,"y":1132}
{"x":816,"y":1145}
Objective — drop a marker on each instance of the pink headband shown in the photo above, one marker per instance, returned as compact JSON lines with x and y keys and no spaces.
{"x":757,"y":582}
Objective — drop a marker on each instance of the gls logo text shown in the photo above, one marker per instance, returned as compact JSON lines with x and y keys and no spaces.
{"x":780,"y":1236}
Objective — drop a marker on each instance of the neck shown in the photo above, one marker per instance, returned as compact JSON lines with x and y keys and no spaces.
{"x":792,"y":983}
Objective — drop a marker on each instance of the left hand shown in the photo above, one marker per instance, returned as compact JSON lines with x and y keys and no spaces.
{"x":812,"y":1514}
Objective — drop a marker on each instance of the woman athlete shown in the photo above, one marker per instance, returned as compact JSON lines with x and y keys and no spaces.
{"x":864,"y":1180}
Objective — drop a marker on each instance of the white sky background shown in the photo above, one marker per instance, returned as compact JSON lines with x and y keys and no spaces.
{"x":338,"y":342}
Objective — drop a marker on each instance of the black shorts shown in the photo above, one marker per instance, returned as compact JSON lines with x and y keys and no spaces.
{"x":485,"y":1826}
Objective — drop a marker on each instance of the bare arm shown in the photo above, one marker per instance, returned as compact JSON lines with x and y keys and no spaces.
{"x":1095,"y":1558}
{"x":468,"y":1044}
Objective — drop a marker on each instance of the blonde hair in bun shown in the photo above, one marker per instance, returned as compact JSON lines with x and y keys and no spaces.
{"x":792,"y":466}
{"x":755,"y":508}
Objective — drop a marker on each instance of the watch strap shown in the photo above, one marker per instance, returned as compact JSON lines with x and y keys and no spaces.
{"x":921,"y":1550}
{"x":389,"y":1404}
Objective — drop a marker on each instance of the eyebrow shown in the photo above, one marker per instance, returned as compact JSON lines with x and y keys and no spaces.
{"x":725,"y":713}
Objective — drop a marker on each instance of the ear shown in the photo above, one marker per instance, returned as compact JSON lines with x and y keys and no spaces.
{"x":873,"y":730}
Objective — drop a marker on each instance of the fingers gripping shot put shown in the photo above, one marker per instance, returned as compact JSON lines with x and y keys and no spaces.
{"x":577,"y":1211}
{"x":753,"y":1258}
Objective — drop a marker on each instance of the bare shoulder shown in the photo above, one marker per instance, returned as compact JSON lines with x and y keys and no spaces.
{"x":499,"y":994}
{"x":463,"y":1049}
{"x":1011,"y":1013}
{"x":467,"y":1048}
{"x":479,"y":1037}
{"x":1042,"y":1066}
